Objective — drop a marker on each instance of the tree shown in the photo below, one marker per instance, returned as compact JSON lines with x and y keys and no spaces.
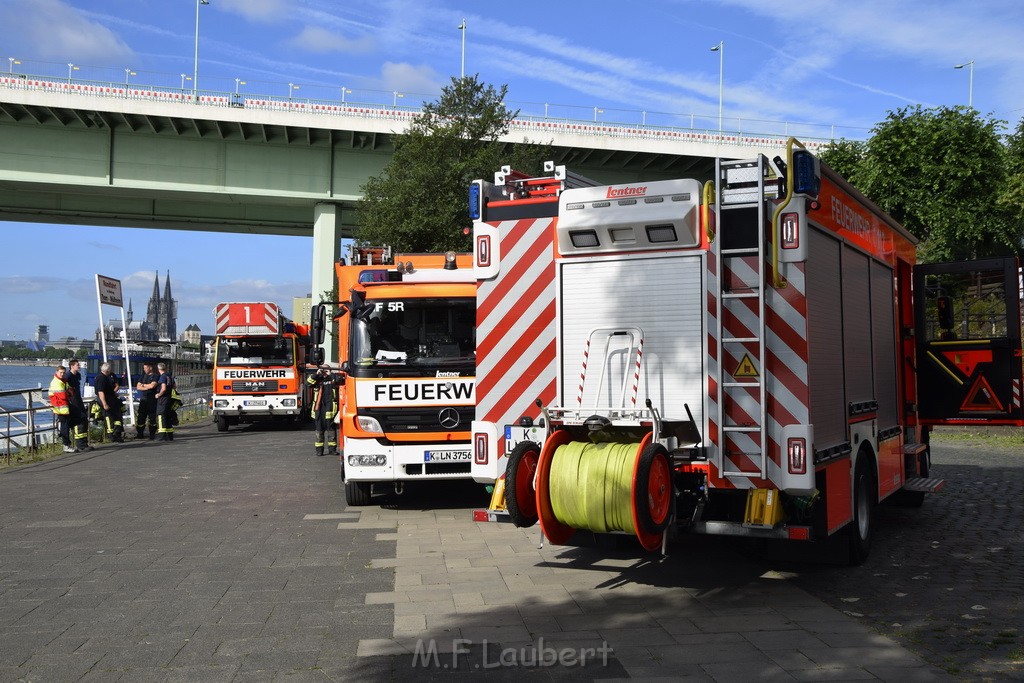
{"x":419,"y":202}
{"x":844,"y":156}
{"x":941,"y":173}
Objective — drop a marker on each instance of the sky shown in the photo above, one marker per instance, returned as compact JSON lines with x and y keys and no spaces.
{"x":810,"y":68}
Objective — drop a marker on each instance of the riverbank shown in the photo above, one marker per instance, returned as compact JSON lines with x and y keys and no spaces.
{"x":31,"y":363}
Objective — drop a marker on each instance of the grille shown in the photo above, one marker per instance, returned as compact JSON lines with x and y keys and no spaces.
{"x":262,"y":386}
{"x":406,"y":420}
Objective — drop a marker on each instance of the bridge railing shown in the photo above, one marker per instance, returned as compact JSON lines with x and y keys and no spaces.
{"x":538,"y":125}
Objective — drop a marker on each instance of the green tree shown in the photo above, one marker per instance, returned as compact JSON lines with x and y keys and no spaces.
{"x":419,"y":202}
{"x":844,"y":157}
{"x":941,"y":173}
{"x":1012,"y":198}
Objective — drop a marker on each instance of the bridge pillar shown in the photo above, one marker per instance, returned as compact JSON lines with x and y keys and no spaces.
{"x":326,"y":250}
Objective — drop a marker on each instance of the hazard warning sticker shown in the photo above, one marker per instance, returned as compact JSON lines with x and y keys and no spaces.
{"x":746,"y":368}
{"x":981,"y":397}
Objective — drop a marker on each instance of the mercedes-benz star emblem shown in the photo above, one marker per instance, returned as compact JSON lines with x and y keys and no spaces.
{"x":449,"y":418}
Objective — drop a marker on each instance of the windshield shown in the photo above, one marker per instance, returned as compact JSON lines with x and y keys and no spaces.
{"x":255,"y":351}
{"x":416,"y":331}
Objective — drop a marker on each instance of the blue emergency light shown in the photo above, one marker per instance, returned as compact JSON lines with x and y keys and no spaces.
{"x":806,"y":173}
{"x":474,"y":201}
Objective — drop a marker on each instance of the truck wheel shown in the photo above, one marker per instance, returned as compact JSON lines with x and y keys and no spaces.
{"x":865,"y":492}
{"x":653,"y":489}
{"x":222,"y":423}
{"x":357,"y":493}
{"x":520,"y":495}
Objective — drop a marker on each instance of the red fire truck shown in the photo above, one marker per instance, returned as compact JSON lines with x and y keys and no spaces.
{"x":757,"y":355}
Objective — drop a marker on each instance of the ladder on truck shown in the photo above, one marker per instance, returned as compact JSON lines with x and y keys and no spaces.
{"x":739,"y":317}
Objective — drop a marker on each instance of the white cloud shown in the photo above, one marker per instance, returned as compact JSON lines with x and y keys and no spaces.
{"x":52,"y":29}
{"x":409,"y":78}
{"x":258,"y":10}
{"x":320,"y":40}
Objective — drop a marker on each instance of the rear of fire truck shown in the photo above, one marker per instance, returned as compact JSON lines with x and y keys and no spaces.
{"x":407,"y":349}
{"x":258,"y":365}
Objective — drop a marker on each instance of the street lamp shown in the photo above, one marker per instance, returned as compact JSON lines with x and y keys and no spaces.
{"x":195,"y":64}
{"x":596,"y":112}
{"x":291,"y":87}
{"x":394,"y":103}
{"x":970,"y":92}
{"x":343,"y":91}
{"x":71,"y":67}
{"x":720,"y":49}
{"x":238,"y":82}
{"x":183,"y":79}
{"x":13,"y":61}
{"x":462,"y":27}
{"x":127,"y":73}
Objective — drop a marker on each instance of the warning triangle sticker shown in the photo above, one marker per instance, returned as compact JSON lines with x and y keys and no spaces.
{"x":980,"y":397}
{"x":746,"y":368}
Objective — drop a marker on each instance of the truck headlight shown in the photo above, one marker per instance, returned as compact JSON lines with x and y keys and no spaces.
{"x":220,"y":403}
{"x":369,"y":424}
{"x":288,"y":403}
{"x":368,"y":460}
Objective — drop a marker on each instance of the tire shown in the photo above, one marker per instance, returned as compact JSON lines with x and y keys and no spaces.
{"x":520,"y":495}
{"x":865,"y":497}
{"x":653,"y":491}
{"x":222,"y":423}
{"x":358,"y":493}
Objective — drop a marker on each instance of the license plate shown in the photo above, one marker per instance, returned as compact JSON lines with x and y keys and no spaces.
{"x":255,"y":402}
{"x":445,"y":456}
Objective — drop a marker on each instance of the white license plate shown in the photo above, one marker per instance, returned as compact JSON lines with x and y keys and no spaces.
{"x":445,"y":456}
{"x":255,"y":402}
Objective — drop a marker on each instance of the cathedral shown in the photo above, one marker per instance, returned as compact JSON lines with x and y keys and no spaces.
{"x":161,"y":317}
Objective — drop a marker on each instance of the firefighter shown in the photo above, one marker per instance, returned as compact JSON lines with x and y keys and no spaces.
{"x":324,"y":409}
{"x":79,"y":415}
{"x":147,"y":386}
{"x":165,"y":415}
{"x":58,"y":395}
{"x":106,"y":393}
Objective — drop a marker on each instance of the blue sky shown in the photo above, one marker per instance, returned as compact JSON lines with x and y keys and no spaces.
{"x":814,"y":64}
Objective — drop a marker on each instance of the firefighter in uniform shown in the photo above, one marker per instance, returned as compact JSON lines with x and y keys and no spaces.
{"x":324,"y":409}
{"x":79,"y":415}
{"x":165,"y":416}
{"x":106,"y":394}
{"x":146,"y":385}
{"x":58,"y":395}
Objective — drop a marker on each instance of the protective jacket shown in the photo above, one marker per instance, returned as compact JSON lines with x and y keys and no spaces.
{"x":59,"y":396}
{"x":325,"y":397}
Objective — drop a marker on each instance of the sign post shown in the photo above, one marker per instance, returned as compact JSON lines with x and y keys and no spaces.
{"x":108,"y":291}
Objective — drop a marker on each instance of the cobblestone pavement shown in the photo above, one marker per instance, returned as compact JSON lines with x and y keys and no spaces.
{"x":945,"y":580}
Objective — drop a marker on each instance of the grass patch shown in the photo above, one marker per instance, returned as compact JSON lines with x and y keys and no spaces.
{"x":997,"y":437}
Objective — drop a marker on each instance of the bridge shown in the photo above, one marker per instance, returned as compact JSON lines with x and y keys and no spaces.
{"x":89,"y":153}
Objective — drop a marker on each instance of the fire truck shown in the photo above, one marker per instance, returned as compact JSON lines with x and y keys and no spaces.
{"x":258,"y":365}
{"x":407,"y":349}
{"x":756,"y":355}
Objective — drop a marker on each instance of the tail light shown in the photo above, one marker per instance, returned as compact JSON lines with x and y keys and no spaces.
{"x":480,"y":456}
{"x":790,"y":231}
{"x":797,"y":451}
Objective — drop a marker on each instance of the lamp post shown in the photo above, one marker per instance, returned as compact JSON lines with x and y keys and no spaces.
{"x":343,"y":91}
{"x":394,"y":103}
{"x":720,"y":49}
{"x":462,"y":27}
{"x":195,"y":64}
{"x":291,"y":87}
{"x":127,"y":73}
{"x":12,"y":61}
{"x":184,"y":78}
{"x":71,"y":67}
{"x":970,"y":91}
{"x":596,"y":112}
{"x":238,"y":82}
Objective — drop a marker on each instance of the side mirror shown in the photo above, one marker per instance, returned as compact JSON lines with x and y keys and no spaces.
{"x":317,"y":323}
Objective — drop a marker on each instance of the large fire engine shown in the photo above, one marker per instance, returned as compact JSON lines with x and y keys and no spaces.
{"x":258,"y":365}
{"x":757,"y":355}
{"x":406,"y":347}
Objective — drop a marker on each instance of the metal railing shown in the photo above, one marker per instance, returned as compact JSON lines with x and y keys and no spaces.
{"x":759,"y":133}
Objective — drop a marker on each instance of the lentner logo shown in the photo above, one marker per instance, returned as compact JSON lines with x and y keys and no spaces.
{"x":617,"y":192}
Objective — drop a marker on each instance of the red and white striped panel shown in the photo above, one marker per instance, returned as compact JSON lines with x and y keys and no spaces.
{"x":515,"y":351}
{"x":784,"y":371}
{"x":1015,"y":398}
{"x":233,"y":318}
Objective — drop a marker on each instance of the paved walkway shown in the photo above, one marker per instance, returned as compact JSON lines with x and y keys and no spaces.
{"x":231,"y":557}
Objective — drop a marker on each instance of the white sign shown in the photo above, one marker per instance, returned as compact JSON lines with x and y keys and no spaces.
{"x":109,"y":290}
{"x":382,"y":393}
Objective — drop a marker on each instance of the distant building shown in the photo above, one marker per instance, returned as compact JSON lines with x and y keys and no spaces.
{"x":73,"y":344}
{"x":192,"y":335}
{"x":42,"y":333}
{"x":300,"y":309}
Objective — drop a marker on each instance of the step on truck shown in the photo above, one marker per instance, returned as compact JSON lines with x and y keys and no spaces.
{"x":756,"y":355}
{"x":407,"y":351}
{"x":259,"y":365}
